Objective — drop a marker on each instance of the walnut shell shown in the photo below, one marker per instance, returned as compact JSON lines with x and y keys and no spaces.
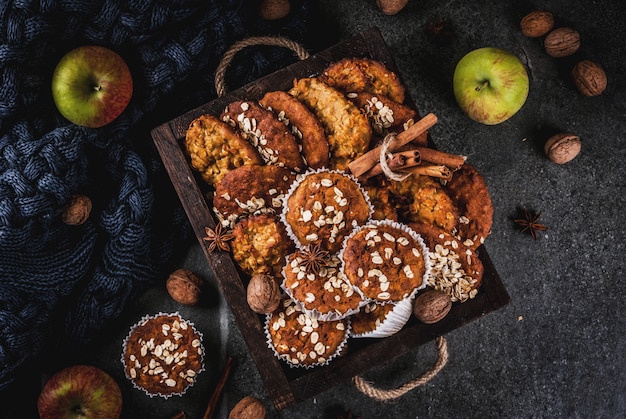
{"x":537,"y":23}
{"x":589,"y":78}
{"x":391,"y":7}
{"x":77,"y":210}
{"x":184,"y":287}
{"x":274,"y":9}
{"x":263,"y":293}
{"x":248,"y":408}
{"x":562,"y":147}
{"x":562,"y":42}
{"x":432,"y":306}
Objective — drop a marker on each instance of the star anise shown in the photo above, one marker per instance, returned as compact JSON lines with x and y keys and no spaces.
{"x":218,"y":238}
{"x":529,"y":223}
{"x":313,"y":258}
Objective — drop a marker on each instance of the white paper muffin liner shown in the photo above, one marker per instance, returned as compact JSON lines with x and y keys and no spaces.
{"x":142,"y":322}
{"x":315,"y":313}
{"x":393,"y":322}
{"x":283,"y":357}
{"x":299,"y":179}
{"x":417,"y":237}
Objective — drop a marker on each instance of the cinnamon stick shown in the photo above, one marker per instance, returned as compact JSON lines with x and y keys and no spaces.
{"x":400,"y":160}
{"x":219,"y":388}
{"x":365,"y":162}
{"x":427,"y":169}
{"x":452,"y":161}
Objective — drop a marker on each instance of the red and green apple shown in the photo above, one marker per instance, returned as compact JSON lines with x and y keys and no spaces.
{"x":490,"y":85}
{"x":91,"y":86}
{"x":80,"y":392}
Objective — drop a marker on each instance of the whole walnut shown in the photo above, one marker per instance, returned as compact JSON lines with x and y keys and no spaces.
{"x":248,"y":408}
{"x":432,"y":306}
{"x":537,"y":23}
{"x":562,"y":42}
{"x":184,"y":287}
{"x":77,"y":210}
{"x":274,"y":9}
{"x":589,"y":78}
{"x":562,"y":147}
{"x":263,"y":293}
{"x":391,"y":7}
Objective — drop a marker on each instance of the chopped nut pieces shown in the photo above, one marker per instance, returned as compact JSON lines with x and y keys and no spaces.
{"x":163,"y":355}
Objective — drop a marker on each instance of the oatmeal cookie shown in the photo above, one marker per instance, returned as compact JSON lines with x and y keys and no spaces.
{"x":249,"y":190}
{"x":215,"y":148}
{"x":347,"y":128}
{"x":260,"y":245}
{"x":304,"y":125}
{"x":455,"y":267}
{"x":354,"y":75}
{"x":384,"y":113}
{"x":275,"y":143}
{"x":424,"y":199}
{"x":469,"y":191}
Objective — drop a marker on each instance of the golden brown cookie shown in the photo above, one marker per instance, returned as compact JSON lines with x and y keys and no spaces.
{"x":215,"y":149}
{"x":273,"y":140}
{"x":469,"y":191}
{"x":304,"y":124}
{"x":424,"y":199}
{"x":455,"y":267}
{"x":250,"y":190}
{"x":384,"y":113}
{"x":380,"y":199}
{"x":260,"y":245}
{"x":347,"y":128}
{"x":354,"y":75}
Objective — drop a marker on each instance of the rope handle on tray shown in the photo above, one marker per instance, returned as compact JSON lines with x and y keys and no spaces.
{"x":220,"y":86}
{"x":385,"y":395}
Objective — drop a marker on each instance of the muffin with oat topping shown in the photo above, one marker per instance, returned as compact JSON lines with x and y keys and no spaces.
{"x":376,"y":320}
{"x":163,"y":355}
{"x":321,"y":290}
{"x":302,"y":341}
{"x":386,"y":260}
{"x":323,"y":207}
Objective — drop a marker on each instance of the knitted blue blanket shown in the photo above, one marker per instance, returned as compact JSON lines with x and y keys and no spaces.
{"x":59,"y":284}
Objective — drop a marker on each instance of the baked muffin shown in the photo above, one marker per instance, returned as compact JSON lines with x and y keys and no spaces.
{"x":249,"y":190}
{"x":352,"y":75}
{"x":273,"y":140}
{"x":304,"y":125}
{"x":455,"y":267}
{"x":260,"y":244}
{"x":163,"y":355}
{"x":315,"y":280}
{"x":215,"y":149}
{"x":469,"y":191}
{"x":386,"y":260}
{"x":302,"y":341}
{"x":347,"y":128}
{"x":424,"y":199}
{"x":376,"y":320}
{"x":323,"y":207}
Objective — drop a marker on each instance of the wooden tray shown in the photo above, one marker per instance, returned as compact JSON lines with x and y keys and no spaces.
{"x":286,"y":385}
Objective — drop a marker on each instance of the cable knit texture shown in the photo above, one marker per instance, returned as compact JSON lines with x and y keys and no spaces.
{"x":60,"y":285}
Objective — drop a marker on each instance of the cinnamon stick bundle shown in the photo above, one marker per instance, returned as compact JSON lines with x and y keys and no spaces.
{"x":368,"y":160}
{"x":399,"y":160}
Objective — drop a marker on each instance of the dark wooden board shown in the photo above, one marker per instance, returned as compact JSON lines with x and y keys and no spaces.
{"x":286,"y":385}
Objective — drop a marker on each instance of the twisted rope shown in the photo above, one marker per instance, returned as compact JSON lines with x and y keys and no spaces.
{"x":220,"y":73}
{"x":385,"y":395}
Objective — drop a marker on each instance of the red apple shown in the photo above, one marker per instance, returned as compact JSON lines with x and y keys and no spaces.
{"x":91,"y":86}
{"x":80,"y":392}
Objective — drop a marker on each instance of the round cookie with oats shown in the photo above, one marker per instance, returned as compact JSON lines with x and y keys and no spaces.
{"x":324,"y":206}
{"x":302,"y":341}
{"x":387,"y":261}
{"x":314,"y":279}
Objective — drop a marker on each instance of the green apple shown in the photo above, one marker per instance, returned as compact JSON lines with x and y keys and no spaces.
{"x":91,"y":86}
{"x":80,"y":392}
{"x":490,"y":85}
